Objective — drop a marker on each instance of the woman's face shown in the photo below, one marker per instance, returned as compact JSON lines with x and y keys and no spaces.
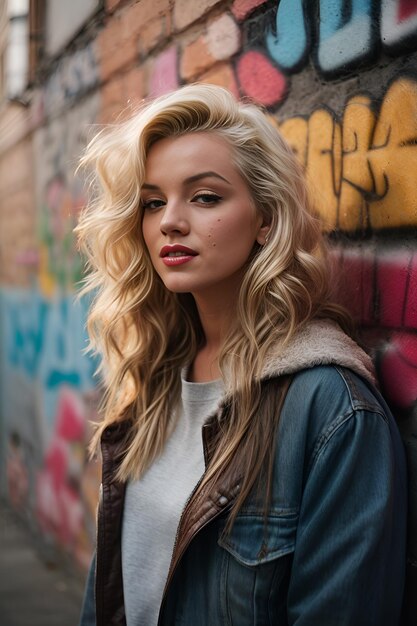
{"x":199,"y":221}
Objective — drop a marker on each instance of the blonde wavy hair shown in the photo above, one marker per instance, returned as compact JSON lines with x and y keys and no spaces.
{"x":146,"y":334}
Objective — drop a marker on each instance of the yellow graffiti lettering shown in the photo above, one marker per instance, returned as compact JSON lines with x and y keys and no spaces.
{"x":323,"y":164}
{"x":358,"y":125}
{"x":317,"y":143}
{"x":393,"y":158}
{"x":295,"y":130}
{"x":362,"y":173}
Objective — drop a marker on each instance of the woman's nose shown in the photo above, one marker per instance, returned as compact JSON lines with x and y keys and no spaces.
{"x":174,"y":220}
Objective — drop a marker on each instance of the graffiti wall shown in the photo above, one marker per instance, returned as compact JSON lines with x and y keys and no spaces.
{"x":338,"y":77}
{"x":48,"y":399}
{"x":49,"y":393}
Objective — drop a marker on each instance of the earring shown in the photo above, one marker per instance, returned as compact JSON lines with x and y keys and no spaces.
{"x":266,"y":239}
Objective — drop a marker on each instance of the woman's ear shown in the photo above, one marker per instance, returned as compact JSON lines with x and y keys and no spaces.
{"x":263,"y":234}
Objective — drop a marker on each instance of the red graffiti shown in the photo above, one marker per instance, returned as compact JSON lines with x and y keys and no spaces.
{"x":259,"y":79}
{"x":406,"y":8}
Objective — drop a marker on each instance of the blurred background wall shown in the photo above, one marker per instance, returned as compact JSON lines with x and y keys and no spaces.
{"x":340,"y":80}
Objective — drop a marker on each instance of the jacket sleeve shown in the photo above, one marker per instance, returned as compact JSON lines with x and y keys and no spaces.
{"x":349,"y":558}
{"x":88,"y":610}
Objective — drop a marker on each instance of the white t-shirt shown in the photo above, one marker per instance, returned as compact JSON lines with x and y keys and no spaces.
{"x":154,"y":504}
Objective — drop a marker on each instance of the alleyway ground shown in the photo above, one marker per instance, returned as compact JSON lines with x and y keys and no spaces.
{"x":31,"y":593}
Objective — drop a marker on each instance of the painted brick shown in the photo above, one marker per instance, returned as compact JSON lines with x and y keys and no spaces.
{"x":111,"y":100}
{"x":134,"y":85}
{"x":163,"y":74}
{"x":259,"y":79}
{"x":151,"y":34}
{"x":223,"y":37}
{"x":17,"y":199}
{"x":137,"y":16}
{"x":221,"y":74}
{"x":186,"y":12}
{"x":18,"y":237}
{"x":195,"y":59}
{"x":147,"y":10}
{"x":242,"y":8}
{"x":116,"y":47}
{"x":135,"y":29}
{"x":120,"y":95}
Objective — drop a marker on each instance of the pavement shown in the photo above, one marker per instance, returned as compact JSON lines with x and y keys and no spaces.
{"x":33,"y":592}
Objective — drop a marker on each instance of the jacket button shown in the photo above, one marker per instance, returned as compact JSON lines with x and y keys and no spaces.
{"x":223,"y":500}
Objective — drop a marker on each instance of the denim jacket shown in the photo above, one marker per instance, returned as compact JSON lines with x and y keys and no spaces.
{"x":331,"y":550}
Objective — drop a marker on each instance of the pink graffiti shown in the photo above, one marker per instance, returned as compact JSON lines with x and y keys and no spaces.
{"x":398,"y":370}
{"x":59,"y":507}
{"x":259,"y":79}
{"x":70,"y":416}
{"x":164,"y":76}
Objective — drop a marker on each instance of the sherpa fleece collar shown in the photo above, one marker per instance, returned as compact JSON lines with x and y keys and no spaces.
{"x":320,"y":342}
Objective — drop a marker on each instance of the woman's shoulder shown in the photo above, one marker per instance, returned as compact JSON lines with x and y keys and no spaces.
{"x":330,"y":415}
{"x":324,"y":398}
{"x":335,"y":387}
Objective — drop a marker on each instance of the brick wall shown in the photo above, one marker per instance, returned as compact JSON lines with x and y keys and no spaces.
{"x":342,"y":87}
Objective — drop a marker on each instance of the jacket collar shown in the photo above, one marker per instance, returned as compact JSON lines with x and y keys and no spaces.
{"x":319,"y":342}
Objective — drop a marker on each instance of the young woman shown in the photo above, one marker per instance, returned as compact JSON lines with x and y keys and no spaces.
{"x":252,"y":474}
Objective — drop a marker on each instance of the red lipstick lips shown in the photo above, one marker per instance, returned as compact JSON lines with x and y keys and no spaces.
{"x":176,"y":254}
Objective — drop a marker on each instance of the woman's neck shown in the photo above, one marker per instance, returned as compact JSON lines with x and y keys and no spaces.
{"x":215,"y":322}
{"x":205,"y":366}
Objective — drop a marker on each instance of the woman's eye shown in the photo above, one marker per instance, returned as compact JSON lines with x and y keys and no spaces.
{"x":149,"y":205}
{"x":207,"y":198}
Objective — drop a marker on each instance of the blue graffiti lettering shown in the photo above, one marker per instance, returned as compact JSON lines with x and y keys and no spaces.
{"x":343,"y":35}
{"x":344,"y":38}
{"x":26,"y":326}
{"x":288,"y":46}
{"x":45,"y":340}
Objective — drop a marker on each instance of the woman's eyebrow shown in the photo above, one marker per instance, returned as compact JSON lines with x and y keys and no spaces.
{"x":191,"y":179}
{"x":210,"y":174}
